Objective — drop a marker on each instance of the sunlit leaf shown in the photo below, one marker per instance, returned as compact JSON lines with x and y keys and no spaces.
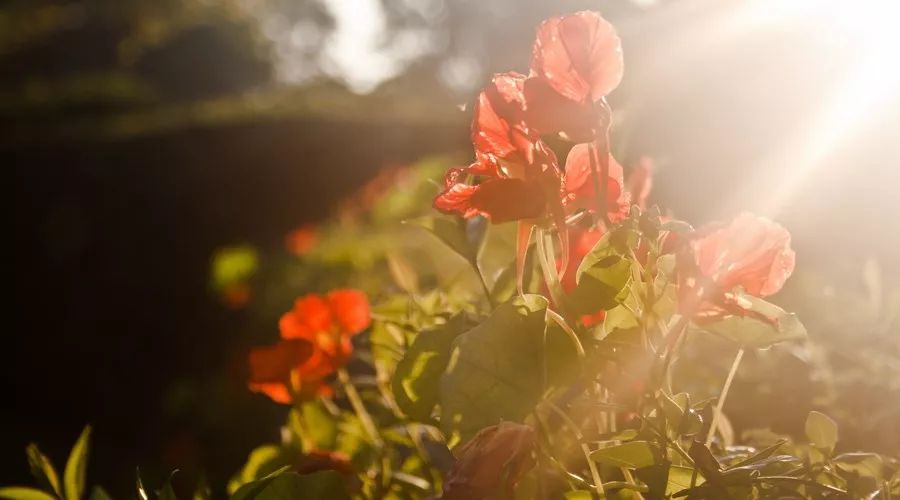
{"x":633,"y":455}
{"x":166,"y":492}
{"x":602,"y":286}
{"x":821,"y":431}
{"x":452,"y":232}
{"x":754,"y":332}
{"x":232,"y":265}
{"x":417,"y":378}
{"x":290,"y":485}
{"x":76,"y":466}
{"x":261,"y":462}
{"x":42,"y":469}
{"x":496,"y":369}
{"x":98,"y":493}
{"x":24,"y":493}
{"x":680,"y":479}
{"x":864,"y":464}
{"x":317,"y":424}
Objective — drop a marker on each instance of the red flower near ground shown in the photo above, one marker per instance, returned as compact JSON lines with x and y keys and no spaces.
{"x":492,"y":463}
{"x":301,"y":240}
{"x":579,"y":183}
{"x":750,"y":252}
{"x":316,"y":342}
{"x":273,"y":369}
{"x":576,"y":61}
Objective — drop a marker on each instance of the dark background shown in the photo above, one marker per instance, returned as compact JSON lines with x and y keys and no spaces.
{"x":142,"y":136}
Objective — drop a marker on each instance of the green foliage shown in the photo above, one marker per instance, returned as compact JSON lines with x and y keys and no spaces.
{"x":496,"y":370}
{"x":821,"y":431}
{"x":767,"y":326}
{"x":76,"y":466}
{"x":283,"y":485}
{"x":632,"y":455}
{"x":233,"y":265}
{"x":416,"y":381}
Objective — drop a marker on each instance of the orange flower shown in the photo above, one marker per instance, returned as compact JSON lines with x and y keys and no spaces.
{"x":272,"y":368}
{"x":302,"y":240}
{"x":324,"y":325}
{"x":750,"y":252}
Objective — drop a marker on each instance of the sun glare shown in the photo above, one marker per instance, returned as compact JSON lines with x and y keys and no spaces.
{"x":868,"y":30}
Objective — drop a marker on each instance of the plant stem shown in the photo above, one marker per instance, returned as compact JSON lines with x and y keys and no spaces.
{"x":595,"y":474}
{"x":721,"y":403}
{"x":548,"y":267}
{"x":307,"y":443}
{"x":487,"y":291}
{"x":569,"y":331}
{"x":356,"y":402}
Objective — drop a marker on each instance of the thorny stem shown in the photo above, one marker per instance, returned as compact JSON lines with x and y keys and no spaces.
{"x":721,"y":402}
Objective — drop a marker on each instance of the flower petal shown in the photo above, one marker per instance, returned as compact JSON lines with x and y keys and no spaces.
{"x":350,"y":309}
{"x":579,"y":183}
{"x":579,"y":55}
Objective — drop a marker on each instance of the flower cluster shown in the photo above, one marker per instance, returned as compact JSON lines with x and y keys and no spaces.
{"x":576,"y":62}
{"x":315,"y":343}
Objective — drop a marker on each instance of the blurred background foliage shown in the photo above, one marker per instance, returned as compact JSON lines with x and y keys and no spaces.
{"x":144,"y":136}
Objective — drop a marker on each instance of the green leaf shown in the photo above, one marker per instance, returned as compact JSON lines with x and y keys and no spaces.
{"x":232,"y":265}
{"x":496,"y":369}
{"x":677,"y":409}
{"x":98,"y":493}
{"x":76,"y":466}
{"x":680,"y":479}
{"x":42,"y":470}
{"x":24,"y":493}
{"x":139,"y":487}
{"x":166,"y":492}
{"x":821,"y":431}
{"x":317,"y":424}
{"x":261,"y":462}
{"x":416,"y":381}
{"x":293,"y":486}
{"x":633,"y":455}
{"x":452,"y":232}
{"x":578,"y":495}
{"x":753,"y":332}
{"x":864,"y":464}
{"x":603,"y":285}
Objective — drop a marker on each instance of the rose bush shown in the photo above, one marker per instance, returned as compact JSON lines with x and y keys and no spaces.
{"x":537,"y":359}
